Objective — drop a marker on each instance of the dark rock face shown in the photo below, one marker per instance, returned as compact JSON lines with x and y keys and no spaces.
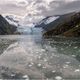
{"x":66,"y":25}
{"x":6,"y":28}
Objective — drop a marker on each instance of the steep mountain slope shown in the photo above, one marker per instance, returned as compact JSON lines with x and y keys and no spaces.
{"x":46,"y":21}
{"x":66,"y":25}
{"x":74,"y":32}
{"x":5,"y":27}
{"x":12,"y":19}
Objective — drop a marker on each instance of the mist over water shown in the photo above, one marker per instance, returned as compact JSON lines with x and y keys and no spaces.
{"x":31,"y":56}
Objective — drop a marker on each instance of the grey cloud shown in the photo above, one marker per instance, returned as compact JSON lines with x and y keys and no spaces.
{"x":22,"y":2}
{"x":12,"y":8}
{"x":38,"y":8}
{"x":38,"y":1}
{"x":70,"y":7}
{"x":62,"y":7}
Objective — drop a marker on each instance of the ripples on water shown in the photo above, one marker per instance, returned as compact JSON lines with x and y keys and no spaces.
{"x":31,"y":57}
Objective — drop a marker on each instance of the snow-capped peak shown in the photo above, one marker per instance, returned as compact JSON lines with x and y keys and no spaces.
{"x":51,"y":19}
{"x":48,"y":20}
{"x":12,"y":19}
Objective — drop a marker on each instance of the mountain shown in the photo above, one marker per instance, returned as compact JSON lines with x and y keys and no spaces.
{"x":12,"y":19}
{"x":64,"y":25}
{"x":5,"y":27}
{"x":44,"y":22}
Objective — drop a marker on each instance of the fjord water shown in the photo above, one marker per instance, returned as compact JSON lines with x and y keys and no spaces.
{"x":32,"y":56}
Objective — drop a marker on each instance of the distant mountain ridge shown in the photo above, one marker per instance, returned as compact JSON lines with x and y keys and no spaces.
{"x":5,"y":27}
{"x":11,"y":19}
{"x":65,"y":25}
{"x":46,"y":21}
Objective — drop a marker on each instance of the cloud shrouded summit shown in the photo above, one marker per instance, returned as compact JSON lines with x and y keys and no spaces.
{"x":32,"y":11}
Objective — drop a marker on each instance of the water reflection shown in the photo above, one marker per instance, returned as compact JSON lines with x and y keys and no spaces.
{"x":32,"y":57}
{"x":4,"y":43}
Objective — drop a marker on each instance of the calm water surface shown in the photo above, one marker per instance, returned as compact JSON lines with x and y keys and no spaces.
{"x":31,"y":57}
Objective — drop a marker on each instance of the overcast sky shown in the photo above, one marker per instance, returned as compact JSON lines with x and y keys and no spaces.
{"x":34,"y":10}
